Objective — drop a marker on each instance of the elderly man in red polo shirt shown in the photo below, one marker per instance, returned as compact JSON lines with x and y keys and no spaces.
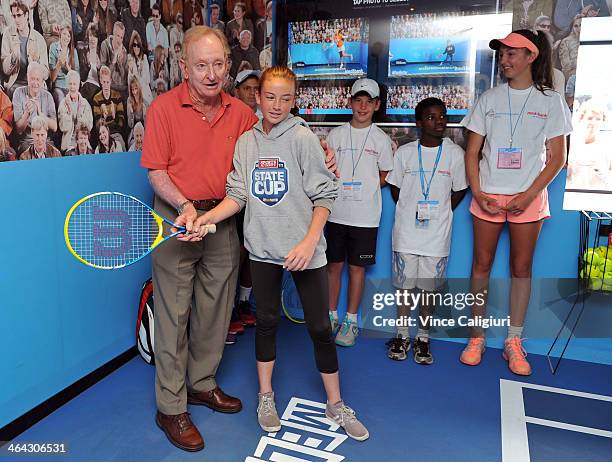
{"x":188,"y":148}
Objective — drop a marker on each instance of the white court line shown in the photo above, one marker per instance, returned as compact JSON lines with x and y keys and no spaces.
{"x":515,"y":442}
{"x":563,"y":391}
{"x":570,"y":427}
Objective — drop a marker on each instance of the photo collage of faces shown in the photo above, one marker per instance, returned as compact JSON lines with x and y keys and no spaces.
{"x":77,"y":76}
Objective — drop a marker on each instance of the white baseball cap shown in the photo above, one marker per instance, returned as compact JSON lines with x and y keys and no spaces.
{"x":368,"y":85}
{"x":243,"y":75}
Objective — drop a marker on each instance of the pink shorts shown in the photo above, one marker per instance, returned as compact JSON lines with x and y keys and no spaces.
{"x":536,"y":211}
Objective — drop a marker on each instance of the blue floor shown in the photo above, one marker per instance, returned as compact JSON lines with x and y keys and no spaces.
{"x":445,"y":412}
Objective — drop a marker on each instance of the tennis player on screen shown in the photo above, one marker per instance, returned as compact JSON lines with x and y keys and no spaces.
{"x":449,"y":51}
{"x":339,"y":40}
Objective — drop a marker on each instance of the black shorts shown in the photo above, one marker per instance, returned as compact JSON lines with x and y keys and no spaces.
{"x":354,"y":242}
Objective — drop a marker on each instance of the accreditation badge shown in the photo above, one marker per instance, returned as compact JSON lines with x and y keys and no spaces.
{"x":426,"y":211}
{"x":509,"y":158}
{"x":347,"y":191}
{"x":352,"y":190}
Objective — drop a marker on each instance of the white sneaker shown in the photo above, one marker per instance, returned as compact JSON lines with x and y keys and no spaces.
{"x":266,"y":413}
{"x":348,"y":333}
{"x":344,"y":416}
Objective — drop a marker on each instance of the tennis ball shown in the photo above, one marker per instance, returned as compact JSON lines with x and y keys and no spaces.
{"x":605,"y":264}
{"x":596,"y":284}
{"x":607,"y":281}
{"x":596,"y":273}
{"x":591,"y":257}
{"x":602,"y":250}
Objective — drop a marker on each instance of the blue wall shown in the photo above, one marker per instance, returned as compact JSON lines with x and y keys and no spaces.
{"x":59,"y":319}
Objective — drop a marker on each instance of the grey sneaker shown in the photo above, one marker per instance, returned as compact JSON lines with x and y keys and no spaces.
{"x":348,"y":333}
{"x":266,"y":413}
{"x":344,"y":416}
{"x":333,"y":320}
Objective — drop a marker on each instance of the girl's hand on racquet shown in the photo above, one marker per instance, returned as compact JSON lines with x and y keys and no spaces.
{"x":186,"y":219}
{"x":488,"y":204}
{"x":299,"y":257}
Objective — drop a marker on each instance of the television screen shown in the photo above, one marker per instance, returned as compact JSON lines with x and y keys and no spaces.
{"x":406,"y":46}
{"x":430,"y":44}
{"x":443,"y":55}
{"x":329,"y":48}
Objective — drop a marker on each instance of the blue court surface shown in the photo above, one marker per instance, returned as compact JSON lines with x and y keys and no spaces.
{"x":443,"y":412}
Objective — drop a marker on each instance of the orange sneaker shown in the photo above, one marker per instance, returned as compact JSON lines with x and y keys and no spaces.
{"x":472,"y":354}
{"x":515,"y":354}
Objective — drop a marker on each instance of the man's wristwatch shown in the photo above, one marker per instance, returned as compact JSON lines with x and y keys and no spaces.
{"x":182,"y":206}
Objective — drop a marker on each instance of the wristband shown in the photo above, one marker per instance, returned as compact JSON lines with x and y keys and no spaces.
{"x":182,"y":206}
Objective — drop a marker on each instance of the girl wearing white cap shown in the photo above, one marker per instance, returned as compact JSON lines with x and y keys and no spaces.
{"x":511,"y":124}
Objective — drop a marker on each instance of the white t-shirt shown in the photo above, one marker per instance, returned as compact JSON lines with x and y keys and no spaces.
{"x":434,"y":240}
{"x":368,"y":156}
{"x":545,"y":116}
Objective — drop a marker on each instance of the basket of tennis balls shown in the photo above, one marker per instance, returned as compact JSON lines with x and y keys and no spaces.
{"x":597,"y":267}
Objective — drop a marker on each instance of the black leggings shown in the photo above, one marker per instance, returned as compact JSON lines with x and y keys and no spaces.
{"x":312,"y":286}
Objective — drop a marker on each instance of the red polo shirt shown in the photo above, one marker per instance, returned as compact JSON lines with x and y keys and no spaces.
{"x":196,"y":153}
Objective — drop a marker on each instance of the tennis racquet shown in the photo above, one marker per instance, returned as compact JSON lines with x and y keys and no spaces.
{"x":290,"y":300}
{"x":110,"y":230}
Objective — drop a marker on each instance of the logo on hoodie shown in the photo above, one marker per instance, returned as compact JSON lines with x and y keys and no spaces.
{"x":269,"y":180}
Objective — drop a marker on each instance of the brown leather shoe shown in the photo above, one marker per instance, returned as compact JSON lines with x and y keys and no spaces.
{"x":181,"y":431}
{"x":216,"y":400}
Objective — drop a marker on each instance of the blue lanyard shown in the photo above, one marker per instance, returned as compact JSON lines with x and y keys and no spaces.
{"x":513,"y":130}
{"x":422,"y":172}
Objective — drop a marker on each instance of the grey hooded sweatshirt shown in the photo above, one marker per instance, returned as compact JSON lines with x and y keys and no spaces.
{"x":280,"y":177}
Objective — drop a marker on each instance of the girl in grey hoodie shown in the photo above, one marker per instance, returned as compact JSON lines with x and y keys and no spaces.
{"x":280,"y":177}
